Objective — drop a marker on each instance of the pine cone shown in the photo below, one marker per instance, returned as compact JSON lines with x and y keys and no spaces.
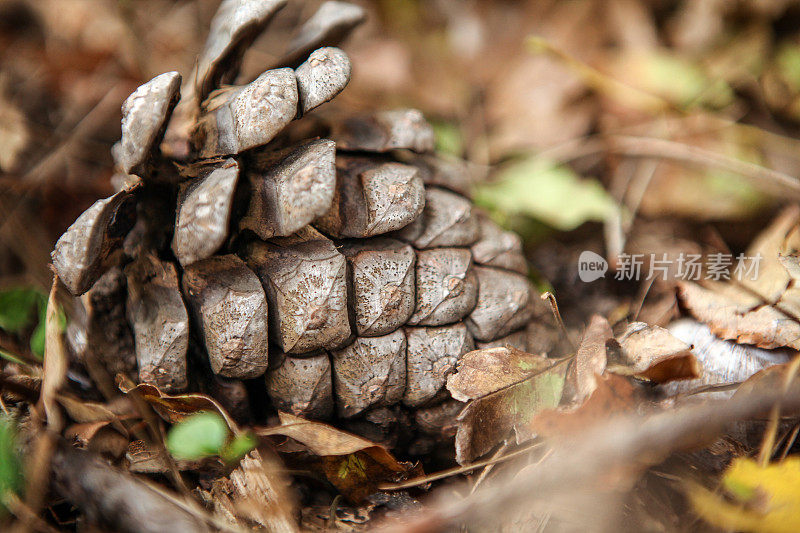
{"x":338,"y":258}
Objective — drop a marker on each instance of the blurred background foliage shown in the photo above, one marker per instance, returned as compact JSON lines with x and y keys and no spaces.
{"x":547,"y":95}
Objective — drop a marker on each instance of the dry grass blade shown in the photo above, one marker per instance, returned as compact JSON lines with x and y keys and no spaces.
{"x":55,"y":361}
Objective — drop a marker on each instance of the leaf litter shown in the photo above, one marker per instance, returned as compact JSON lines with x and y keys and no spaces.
{"x":673,"y":128}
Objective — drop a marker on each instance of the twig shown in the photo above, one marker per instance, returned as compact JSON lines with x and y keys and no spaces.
{"x":768,"y":443}
{"x":551,"y":299}
{"x":24,"y":514}
{"x":792,"y":437}
{"x":665,"y":149}
{"x":416,"y":482}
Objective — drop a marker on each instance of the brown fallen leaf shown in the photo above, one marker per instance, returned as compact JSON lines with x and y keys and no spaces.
{"x":56,"y":361}
{"x":734,"y":314}
{"x":772,"y":378}
{"x":652,"y":353}
{"x":354,"y":465}
{"x":501,"y":400}
{"x":762,"y":309}
{"x":590,"y":360}
{"x":613,"y":394}
{"x":84,"y":412}
{"x":482,"y":372}
{"x":177,"y":407}
{"x":773,"y":277}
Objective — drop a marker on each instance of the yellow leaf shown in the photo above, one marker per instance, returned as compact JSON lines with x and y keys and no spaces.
{"x":765,"y":499}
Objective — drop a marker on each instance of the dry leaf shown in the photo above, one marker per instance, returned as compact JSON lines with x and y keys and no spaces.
{"x":174,"y":408}
{"x":354,"y":465}
{"x":590,"y":360}
{"x":84,"y":412}
{"x":764,"y":311}
{"x":734,"y":314}
{"x":613,"y":394}
{"x":651,"y":352}
{"x":773,"y":277}
{"x":54,"y":371}
{"x":482,"y":372}
{"x":765,"y":498}
{"x":515,"y":387}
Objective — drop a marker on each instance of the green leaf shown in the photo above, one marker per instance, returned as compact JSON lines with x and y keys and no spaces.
{"x":546,"y":191}
{"x":675,"y":78}
{"x":201,"y":435}
{"x":10,"y":463}
{"x":238,"y":447}
{"x":787,"y":60}
{"x":448,"y":138}
{"x":16,"y":308}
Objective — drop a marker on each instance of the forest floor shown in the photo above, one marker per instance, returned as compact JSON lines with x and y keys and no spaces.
{"x":648,"y":152}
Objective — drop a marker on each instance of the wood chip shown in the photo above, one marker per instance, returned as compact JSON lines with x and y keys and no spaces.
{"x":230,"y":310}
